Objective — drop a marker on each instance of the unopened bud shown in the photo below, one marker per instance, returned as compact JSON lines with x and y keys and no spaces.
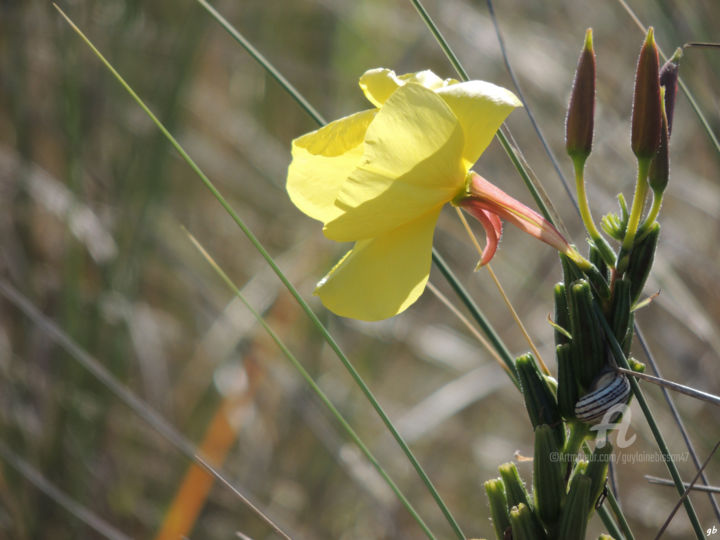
{"x":669,"y":80}
{"x":581,"y":112}
{"x":659,"y":172}
{"x":647,"y":107}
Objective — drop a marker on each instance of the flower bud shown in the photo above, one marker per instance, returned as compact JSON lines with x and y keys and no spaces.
{"x":498,"y":506}
{"x":669,"y":80}
{"x":524,"y":526}
{"x":647,"y":107}
{"x":581,"y":111}
{"x":540,"y":400}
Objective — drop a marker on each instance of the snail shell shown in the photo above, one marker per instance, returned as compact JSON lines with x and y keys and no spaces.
{"x":608,"y":389}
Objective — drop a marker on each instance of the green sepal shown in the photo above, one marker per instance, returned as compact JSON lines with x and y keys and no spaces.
{"x":567,"y":394}
{"x":641,"y":260}
{"x":499,"y":513}
{"x":588,"y":336}
{"x":597,"y":259}
{"x":540,"y":400}
{"x":514,"y":488}
{"x":574,"y":518}
{"x":620,"y":309}
{"x":524,"y":524}
{"x":627,"y":340}
{"x":601,"y":254}
{"x":571,"y":272}
{"x":562,"y":317}
{"x":548,"y":477}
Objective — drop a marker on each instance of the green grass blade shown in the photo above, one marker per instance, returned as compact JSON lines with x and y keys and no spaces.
{"x":260,"y":59}
{"x":72,"y":506}
{"x":313,"y":385}
{"x":291,"y":288}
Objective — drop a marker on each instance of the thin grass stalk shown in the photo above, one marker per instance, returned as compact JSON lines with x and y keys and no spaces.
{"x":290,"y":287}
{"x":125,"y":395}
{"x":609,"y":522}
{"x":313,"y":385}
{"x":267,"y":65}
{"x":615,"y":505}
{"x":79,"y":511}
{"x":662,"y":445}
{"x":476,"y":313}
{"x":687,"y":492}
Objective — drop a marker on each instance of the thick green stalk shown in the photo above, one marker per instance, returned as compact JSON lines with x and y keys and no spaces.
{"x":290,"y":287}
{"x":313,"y":385}
{"x":641,"y":189}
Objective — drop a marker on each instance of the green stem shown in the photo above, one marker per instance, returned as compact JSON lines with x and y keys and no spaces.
{"x":653,"y":214}
{"x":610,"y":498}
{"x":641,"y":189}
{"x":276,"y":269}
{"x":662,"y":445}
{"x":318,"y":391}
{"x":585,"y":214}
{"x":578,"y":433}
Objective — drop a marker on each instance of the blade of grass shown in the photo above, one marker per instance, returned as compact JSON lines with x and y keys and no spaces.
{"x":662,"y":445}
{"x":311,"y":382}
{"x":82,"y":513}
{"x":267,"y":65}
{"x":291,"y":288}
{"x":137,"y":405}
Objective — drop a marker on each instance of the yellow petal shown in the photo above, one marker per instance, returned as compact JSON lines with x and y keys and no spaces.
{"x":411,"y":165}
{"x":322,"y":161}
{"x":378,"y":85}
{"x":381,"y":277}
{"x":481,"y":107}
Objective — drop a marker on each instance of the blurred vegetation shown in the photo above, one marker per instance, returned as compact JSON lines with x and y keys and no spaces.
{"x":92,"y":200}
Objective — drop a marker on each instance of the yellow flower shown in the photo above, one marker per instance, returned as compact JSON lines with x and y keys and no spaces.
{"x":380,"y":177}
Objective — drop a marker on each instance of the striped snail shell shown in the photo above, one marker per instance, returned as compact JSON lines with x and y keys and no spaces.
{"x":607,"y":390}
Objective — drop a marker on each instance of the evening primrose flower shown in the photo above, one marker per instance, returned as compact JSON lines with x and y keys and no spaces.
{"x":380,"y":178}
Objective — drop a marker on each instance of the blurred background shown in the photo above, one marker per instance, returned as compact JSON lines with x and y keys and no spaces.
{"x":92,"y":204}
